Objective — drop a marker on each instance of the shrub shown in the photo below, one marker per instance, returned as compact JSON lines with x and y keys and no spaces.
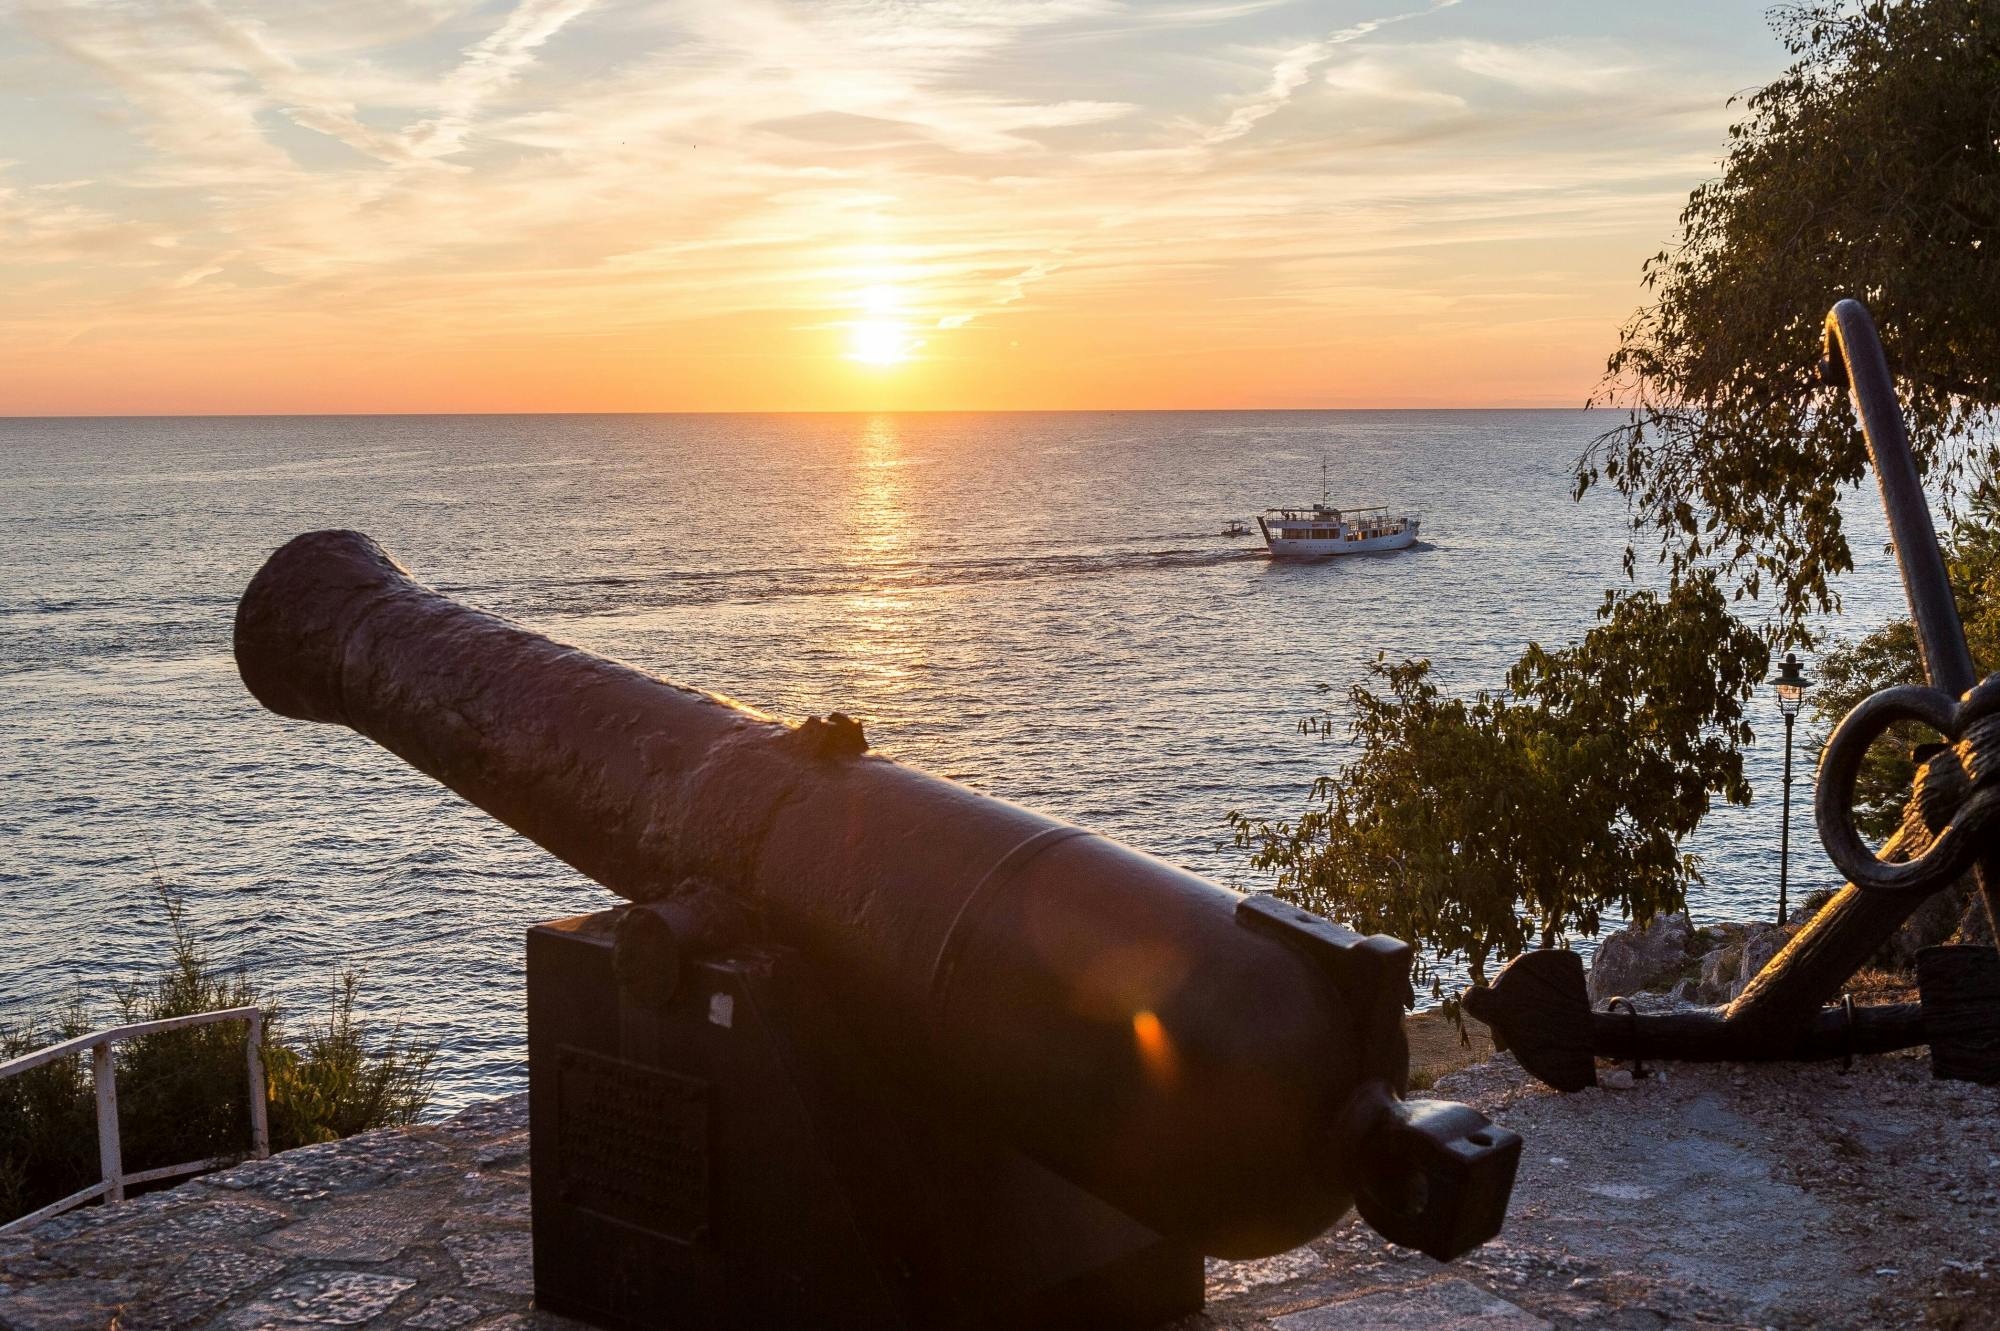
{"x":328,"y":1083}
{"x":183,"y":1094}
{"x":48,"y":1116}
{"x":1476,"y":828}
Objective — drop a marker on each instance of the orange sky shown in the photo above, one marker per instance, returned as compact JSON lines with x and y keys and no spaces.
{"x":594,"y":205}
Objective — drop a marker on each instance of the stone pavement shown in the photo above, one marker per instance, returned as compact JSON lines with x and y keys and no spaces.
{"x":427,"y":1229}
{"x":1723,"y":1197}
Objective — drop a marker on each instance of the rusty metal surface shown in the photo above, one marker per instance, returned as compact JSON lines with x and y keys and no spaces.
{"x":1952,"y":706}
{"x":1974,"y":724}
{"x":1102,"y":1010}
{"x":1854,"y":356}
{"x":1885,"y":886}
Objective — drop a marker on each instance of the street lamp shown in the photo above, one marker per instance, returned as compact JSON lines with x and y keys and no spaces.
{"x":1791,"y":687}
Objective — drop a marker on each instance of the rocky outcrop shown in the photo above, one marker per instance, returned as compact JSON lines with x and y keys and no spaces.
{"x":1936,"y":921}
{"x":1742,"y":951}
{"x":1707,"y":966}
{"x":1633,"y":960}
{"x":1760,"y":943}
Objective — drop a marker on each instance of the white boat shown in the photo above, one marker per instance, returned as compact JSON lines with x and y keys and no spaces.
{"x":1307,"y":533}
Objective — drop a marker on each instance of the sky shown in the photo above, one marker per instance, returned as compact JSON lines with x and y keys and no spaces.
{"x":749,"y":205}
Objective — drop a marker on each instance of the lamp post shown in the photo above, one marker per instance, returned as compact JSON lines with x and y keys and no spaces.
{"x":1791,"y":688}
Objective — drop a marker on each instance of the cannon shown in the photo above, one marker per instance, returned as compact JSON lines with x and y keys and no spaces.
{"x":868,"y":1048}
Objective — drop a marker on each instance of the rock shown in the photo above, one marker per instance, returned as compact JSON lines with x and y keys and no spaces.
{"x":1745,"y":949}
{"x":1618,"y":1079}
{"x":1687,"y":991}
{"x":499,"y":1259}
{"x":1226,"y":1280}
{"x":322,"y":1299}
{"x":1718,"y":968}
{"x":444,"y":1313}
{"x":1761,"y":942}
{"x":1635,"y":959}
{"x":1443,"y":1304}
{"x":66,"y":1305}
{"x":1931,"y":923}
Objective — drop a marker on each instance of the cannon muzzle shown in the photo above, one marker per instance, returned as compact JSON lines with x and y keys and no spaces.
{"x":1226,"y":1070}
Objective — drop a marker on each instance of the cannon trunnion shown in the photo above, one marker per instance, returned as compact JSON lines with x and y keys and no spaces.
{"x":870,"y":1044}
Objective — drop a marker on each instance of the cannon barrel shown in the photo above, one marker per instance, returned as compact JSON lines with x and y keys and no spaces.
{"x":1228,"y":1077}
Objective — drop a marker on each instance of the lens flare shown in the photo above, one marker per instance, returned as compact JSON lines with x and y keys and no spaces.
{"x":1156,"y":1048}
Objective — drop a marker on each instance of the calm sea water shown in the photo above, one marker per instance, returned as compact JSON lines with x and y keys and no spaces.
{"x":1037,"y":605}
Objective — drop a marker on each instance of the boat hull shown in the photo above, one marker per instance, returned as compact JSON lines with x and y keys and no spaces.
{"x":1281,"y":548}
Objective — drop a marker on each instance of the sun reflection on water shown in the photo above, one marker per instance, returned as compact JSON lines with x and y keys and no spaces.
{"x":876,"y":637}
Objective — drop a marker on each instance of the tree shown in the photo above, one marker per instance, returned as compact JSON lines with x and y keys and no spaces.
{"x":1479,"y":826}
{"x":1870,"y":168}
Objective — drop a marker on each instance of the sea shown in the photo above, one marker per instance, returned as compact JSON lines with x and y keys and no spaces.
{"x":1041,"y":606}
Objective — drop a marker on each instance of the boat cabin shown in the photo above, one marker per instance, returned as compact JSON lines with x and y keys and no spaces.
{"x":1320,"y":523}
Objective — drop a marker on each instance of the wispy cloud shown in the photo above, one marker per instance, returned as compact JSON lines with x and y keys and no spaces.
{"x":45,"y":225}
{"x":1294,"y":69}
{"x":714,"y":184}
{"x":489,"y":66}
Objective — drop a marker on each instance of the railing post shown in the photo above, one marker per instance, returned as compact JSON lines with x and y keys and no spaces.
{"x":110,"y":1157}
{"x":260,"y":1121}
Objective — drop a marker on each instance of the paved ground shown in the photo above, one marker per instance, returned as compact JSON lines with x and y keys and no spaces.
{"x":1723,"y":1197}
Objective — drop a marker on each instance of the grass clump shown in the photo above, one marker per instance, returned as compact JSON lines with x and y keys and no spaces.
{"x":183,"y":1095}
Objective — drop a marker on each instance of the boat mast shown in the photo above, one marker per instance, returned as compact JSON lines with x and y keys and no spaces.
{"x":1322,"y":480}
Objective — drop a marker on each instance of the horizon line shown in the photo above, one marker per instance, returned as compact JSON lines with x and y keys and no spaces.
{"x":835,"y":411}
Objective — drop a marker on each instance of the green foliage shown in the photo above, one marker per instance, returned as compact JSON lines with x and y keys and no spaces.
{"x":183,"y":1094}
{"x":330,"y":1082}
{"x":1847,"y":674}
{"x":1853,"y":670}
{"x":48,"y":1117}
{"x":1870,"y":168}
{"x":1478,"y":826}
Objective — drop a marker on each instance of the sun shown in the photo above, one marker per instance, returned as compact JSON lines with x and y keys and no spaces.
{"x":878,"y":342}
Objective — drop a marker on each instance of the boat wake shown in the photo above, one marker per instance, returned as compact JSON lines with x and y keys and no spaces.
{"x":46,"y":632}
{"x":750,"y":585}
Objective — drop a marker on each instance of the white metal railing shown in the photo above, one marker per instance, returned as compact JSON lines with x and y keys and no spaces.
{"x":1351,"y":516}
{"x":104,"y":1075}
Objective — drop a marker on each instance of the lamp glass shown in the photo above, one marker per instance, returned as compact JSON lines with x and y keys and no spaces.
{"x":1789,"y":698}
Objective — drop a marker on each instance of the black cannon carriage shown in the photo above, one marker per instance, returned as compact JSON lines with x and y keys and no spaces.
{"x":867,"y":1048}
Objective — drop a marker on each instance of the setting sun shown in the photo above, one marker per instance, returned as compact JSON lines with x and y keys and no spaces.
{"x":879,"y":342}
